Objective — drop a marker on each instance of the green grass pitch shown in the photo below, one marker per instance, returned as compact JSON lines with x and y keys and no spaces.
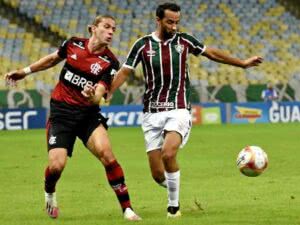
{"x":213,"y":192}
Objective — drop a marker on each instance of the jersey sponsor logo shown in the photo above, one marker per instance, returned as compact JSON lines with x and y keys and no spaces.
{"x":52,"y":140}
{"x":169,"y":105}
{"x":95,"y":68}
{"x":151,"y":53}
{"x":179,"y":48}
{"x":76,"y":79}
{"x":74,"y":56}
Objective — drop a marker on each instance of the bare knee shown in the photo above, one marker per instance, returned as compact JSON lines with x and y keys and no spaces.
{"x":57,"y":160}
{"x":169,"y":159}
{"x":169,"y":154}
{"x":105,"y":155}
{"x":56,"y":166}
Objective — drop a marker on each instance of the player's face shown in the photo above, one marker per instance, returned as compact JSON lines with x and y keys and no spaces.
{"x":169,"y":24}
{"x":104,"y":30}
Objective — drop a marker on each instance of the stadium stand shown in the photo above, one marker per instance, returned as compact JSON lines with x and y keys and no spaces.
{"x":243,"y":28}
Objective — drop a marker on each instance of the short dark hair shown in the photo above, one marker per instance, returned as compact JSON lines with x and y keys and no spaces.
{"x":160,"y":10}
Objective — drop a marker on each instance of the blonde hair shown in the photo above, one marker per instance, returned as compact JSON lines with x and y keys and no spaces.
{"x":98,"y":20}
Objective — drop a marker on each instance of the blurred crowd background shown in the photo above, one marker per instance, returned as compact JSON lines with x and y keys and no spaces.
{"x":30,"y":29}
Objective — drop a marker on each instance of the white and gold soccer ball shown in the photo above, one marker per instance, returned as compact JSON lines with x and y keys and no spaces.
{"x":252,"y":161}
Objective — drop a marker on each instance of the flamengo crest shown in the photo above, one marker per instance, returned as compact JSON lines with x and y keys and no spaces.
{"x":95,"y":68}
{"x":52,"y":140}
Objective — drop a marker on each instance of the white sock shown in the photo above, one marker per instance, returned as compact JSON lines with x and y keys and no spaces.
{"x":173,"y":183}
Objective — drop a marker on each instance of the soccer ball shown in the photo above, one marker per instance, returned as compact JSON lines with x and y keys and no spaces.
{"x":252,"y":161}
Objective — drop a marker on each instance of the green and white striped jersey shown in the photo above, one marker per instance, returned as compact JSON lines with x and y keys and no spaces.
{"x":165,"y":69}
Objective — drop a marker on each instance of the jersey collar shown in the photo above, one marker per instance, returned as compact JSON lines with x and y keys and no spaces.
{"x":155,"y":38}
{"x":96,"y":54}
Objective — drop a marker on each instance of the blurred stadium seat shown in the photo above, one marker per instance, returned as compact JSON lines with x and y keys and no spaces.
{"x":243,"y":28}
{"x":19,"y":48}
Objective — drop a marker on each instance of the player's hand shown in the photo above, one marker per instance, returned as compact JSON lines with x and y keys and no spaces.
{"x":13,"y":76}
{"x":253,"y":61}
{"x":89,"y":90}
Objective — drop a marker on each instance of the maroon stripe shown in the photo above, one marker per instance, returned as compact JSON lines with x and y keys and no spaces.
{"x":166,"y":76}
{"x":181,"y":94}
{"x":150,"y":76}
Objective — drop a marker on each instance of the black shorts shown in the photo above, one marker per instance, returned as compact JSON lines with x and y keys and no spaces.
{"x":66,"y":122}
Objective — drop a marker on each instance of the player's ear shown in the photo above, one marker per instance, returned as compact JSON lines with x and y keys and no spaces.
{"x":158,"y":20}
{"x":91,"y":28}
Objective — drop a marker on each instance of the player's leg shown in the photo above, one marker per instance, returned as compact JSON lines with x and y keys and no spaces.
{"x":57,"y":161}
{"x":157,"y":167}
{"x":172,"y":173}
{"x":170,"y":147}
{"x":152,"y":126}
{"x":99,"y":144}
{"x":60,"y":140}
{"x":177,"y":129}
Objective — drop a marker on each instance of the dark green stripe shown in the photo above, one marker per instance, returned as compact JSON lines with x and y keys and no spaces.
{"x":156,"y":63}
{"x":132,"y":54}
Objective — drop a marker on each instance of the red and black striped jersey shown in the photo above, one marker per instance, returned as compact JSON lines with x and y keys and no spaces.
{"x":82,"y":67}
{"x":165,"y":69}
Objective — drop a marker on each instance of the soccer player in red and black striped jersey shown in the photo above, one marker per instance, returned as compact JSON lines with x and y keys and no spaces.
{"x":167,"y":120}
{"x":75,"y":113}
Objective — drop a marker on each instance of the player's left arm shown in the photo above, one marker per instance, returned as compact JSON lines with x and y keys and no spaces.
{"x":222,"y":57}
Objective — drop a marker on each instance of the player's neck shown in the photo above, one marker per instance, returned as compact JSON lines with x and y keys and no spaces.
{"x":95,"y":46}
{"x":161,"y":36}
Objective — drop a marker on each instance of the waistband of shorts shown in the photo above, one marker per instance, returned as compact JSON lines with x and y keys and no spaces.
{"x":157,"y":110}
{"x":58,"y":105}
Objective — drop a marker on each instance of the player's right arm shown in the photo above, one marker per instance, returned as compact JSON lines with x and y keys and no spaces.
{"x":42,"y":64}
{"x":133,"y":59}
{"x":120,"y":77}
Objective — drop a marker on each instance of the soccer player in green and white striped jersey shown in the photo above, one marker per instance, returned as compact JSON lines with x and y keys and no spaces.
{"x":167,"y":120}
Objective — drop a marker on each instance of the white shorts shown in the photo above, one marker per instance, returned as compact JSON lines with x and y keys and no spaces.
{"x":154,"y":125}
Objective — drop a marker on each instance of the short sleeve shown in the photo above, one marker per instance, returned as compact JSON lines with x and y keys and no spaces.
{"x":62,"y":50}
{"x":107,"y":77}
{"x":194,"y":45}
{"x":135,"y":54}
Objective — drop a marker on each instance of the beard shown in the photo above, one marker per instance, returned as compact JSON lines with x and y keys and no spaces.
{"x":168,"y":34}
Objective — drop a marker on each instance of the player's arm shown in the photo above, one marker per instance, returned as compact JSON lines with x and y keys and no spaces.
{"x":94,"y":93}
{"x":42,"y":64}
{"x":133,"y":59}
{"x":222,"y":57}
{"x":120,"y":77}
